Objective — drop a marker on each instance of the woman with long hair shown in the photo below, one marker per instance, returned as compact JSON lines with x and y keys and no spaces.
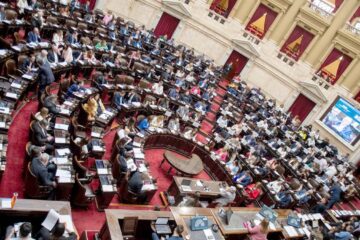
{"x":258,"y":232}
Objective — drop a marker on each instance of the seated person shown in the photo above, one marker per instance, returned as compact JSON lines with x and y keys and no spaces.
{"x":135,"y":184}
{"x":34,"y":36}
{"x":57,"y":233}
{"x":28,"y":64}
{"x":189,"y":132}
{"x":232,"y":167}
{"x":119,"y":99}
{"x":174,"y":125}
{"x":243,"y":178}
{"x":75,"y":87}
{"x":158,"y":88}
{"x":91,"y":107}
{"x":44,"y":170}
{"x":102,"y":46}
{"x":284,"y":198}
{"x":275,"y":186}
{"x":201,"y":106}
{"x":195,"y":90}
{"x":42,"y":114}
{"x":176,"y":235}
{"x":24,"y":232}
{"x":101,"y":108}
{"x":156,"y":121}
{"x":227,"y":196}
{"x":174,"y":93}
{"x":133,"y":97}
{"x":253,"y":191}
{"x":222,"y":154}
{"x":143,"y":125}
{"x":100,"y":81}
{"x":191,"y":201}
{"x":183,"y":112}
{"x":186,"y":97}
{"x":41,"y":136}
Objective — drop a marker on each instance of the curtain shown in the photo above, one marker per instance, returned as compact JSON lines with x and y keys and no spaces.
{"x":301,"y":107}
{"x":92,"y":4}
{"x":337,"y":5}
{"x":296,"y":50}
{"x":166,"y":25}
{"x":269,"y":19}
{"x":333,"y":56}
{"x":239,"y":61}
{"x":356,"y":15}
{"x":217,"y":6}
{"x":357,"y":97}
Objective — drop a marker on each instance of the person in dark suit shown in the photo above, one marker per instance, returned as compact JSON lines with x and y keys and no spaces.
{"x":57,"y":233}
{"x":71,"y":38}
{"x":335,"y":195}
{"x":45,"y":171}
{"x":50,"y":102}
{"x":28,"y":64}
{"x":119,"y":99}
{"x":123,"y":163}
{"x":34,"y":36}
{"x":135,"y":185}
{"x":133,"y":97}
{"x":41,"y":137}
{"x":46,"y":76}
{"x":54,"y":55}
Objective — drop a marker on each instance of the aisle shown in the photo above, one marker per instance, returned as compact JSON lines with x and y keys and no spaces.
{"x":208,"y":123}
{"x":18,"y":136}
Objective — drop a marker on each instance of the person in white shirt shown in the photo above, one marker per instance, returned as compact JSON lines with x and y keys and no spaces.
{"x":222,"y":121}
{"x":22,"y":4}
{"x":322,"y":163}
{"x":227,"y":196}
{"x":190,"y":77}
{"x":158,"y":88}
{"x":174,"y":125}
{"x":183,"y":112}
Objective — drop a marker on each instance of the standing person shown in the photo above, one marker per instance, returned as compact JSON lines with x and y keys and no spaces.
{"x":46,"y":76}
{"x":258,"y":232}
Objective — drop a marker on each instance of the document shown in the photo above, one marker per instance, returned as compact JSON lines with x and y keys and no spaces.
{"x":50,"y":220}
{"x":60,"y":140}
{"x":5,"y":203}
{"x":62,"y":151}
{"x":186,"y":188}
{"x":97,"y":148}
{"x":95,"y":134}
{"x":61,"y":126}
{"x":11,"y":95}
{"x":102,"y":171}
{"x":68,"y":222}
{"x":63,"y":173}
{"x":61,"y":160}
{"x":291,"y":231}
{"x":107,"y":188}
{"x":2,"y":124}
{"x":65,"y":111}
{"x":209,"y":234}
{"x":15,"y":85}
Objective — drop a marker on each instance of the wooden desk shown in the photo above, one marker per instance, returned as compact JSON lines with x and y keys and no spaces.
{"x":191,"y":166}
{"x":107,"y":188}
{"x":111,"y":229}
{"x":182,"y":216}
{"x":33,"y":210}
{"x":209,"y":189}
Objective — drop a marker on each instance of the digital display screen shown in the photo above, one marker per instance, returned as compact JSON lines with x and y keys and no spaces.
{"x":344,"y":119}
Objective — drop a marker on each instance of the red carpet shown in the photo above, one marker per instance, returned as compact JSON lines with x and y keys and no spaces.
{"x":207,"y":127}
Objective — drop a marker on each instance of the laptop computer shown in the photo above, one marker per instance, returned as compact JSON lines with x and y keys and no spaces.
{"x":162,"y":226}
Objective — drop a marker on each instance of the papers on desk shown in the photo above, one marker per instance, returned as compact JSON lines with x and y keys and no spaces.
{"x":291,"y":231}
{"x":50,"y":220}
{"x":11,"y":95}
{"x":61,"y":160}
{"x":61,"y":126}
{"x":2,"y":52}
{"x":15,"y":85}
{"x":53,"y":217}
{"x":148,"y":187}
{"x":64,"y":111}
{"x":102,"y":171}
{"x":97,"y":148}
{"x":107,"y":188}
{"x":1,"y":146}
{"x":139,"y":155}
{"x":4,"y":110}
{"x":136,"y":144}
{"x":16,"y":48}
{"x":95,"y":134}
{"x":208,"y":234}
{"x":131,"y":165}
{"x":142,"y":168}
{"x":27,"y":76}
{"x":63,"y":175}
{"x":186,"y":188}
{"x":62,"y":151}
{"x":5,"y":203}
{"x":60,"y":140}
{"x":2,"y":124}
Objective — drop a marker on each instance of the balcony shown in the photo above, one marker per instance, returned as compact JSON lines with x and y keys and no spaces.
{"x":316,"y":15}
{"x":322,"y":8}
{"x":353,"y":29}
{"x":324,"y":83}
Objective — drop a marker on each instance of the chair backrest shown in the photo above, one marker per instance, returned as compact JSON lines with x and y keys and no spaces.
{"x":21,"y":58}
{"x":101,"y":30}
{"x":129,"y":80}
{"x":16,"y":37}
{"x":27,"y":149}
{"x":10,"y":66}
{"x":144,"y":84}
{"x":96,"y":40}
{"x":77,"y":14}
{"x":129,"y":225}
{"x":85,"y":40}
{"x":82,"y":26}
{"x":52,"y":20}
{"x":70,"y":23}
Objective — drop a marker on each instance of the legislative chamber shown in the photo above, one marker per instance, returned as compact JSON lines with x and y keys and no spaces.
{"x":179,"y":119}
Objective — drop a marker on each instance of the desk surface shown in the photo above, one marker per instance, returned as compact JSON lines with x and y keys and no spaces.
{"x":113,"y":217}
{"x":182,"y":216}
{"x":205,"y":187}
{"x":31,"y":205}
{"x":189,"y":166}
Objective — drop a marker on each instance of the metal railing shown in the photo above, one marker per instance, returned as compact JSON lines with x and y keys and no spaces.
{"x":322,"y":8}
{"x":353,"y":29}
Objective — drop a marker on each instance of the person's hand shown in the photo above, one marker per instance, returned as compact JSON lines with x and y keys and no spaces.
{"x":54,"y":184}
